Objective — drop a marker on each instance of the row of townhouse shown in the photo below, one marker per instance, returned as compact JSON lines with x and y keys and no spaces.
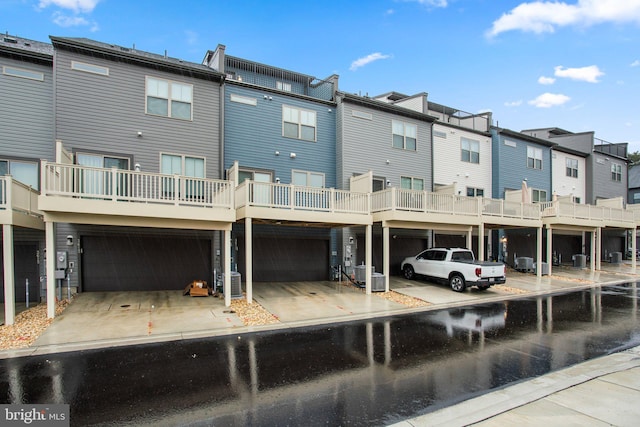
{"x":144,"y":172}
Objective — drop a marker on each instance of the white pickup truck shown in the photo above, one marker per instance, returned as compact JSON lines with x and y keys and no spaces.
{"x":455,"y":265}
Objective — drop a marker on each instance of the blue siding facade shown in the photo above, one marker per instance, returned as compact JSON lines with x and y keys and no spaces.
{"x":510,"y":164}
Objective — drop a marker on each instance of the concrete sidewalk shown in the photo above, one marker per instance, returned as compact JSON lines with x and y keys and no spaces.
{"x":599,"y":392}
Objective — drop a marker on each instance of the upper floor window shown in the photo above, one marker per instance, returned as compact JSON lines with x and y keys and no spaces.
{"x":23,"y":171}
{"x":572,"y":168}
{"x":169,"y":99}
{"x":298,"y":123}
{"x":538,"y":195}
{"x":307,"y":179}
{"x":89,"y":68}
{"x":21,"y":72}
{"x":475,"y":192}
{"x":470,"y":150}
{"x":440,"y":134}
{"x":404,"y":135}
{"x":616,"y":172}
{"x":283,"y":86}
{"x":534,"y":158}
{"x":410,"y":183}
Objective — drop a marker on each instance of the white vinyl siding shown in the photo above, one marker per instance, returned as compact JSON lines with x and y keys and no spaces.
{"x":169,"y":99}
{"x":298,"y":123}
{"x":405,"y":135}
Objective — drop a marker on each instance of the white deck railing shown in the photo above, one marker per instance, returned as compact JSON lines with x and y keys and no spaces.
{"x":120,"y":185}
{"x":294,"y":197}
{"x":508,"y":209}
{"x":17,"y":196}
{"x":585,"y":211}
{"x":423,"y":201}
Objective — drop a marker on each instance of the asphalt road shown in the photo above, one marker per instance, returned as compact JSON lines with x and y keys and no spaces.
{"x":371,"y":372}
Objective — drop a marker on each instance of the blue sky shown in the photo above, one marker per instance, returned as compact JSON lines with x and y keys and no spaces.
{"x":573,"y":64}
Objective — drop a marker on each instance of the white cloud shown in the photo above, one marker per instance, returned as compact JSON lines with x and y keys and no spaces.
{"x":586,"y":74}
{"x":546,"y":80}
{"x":77,"y":6}
{"x":545,"y":16}
{"x":69,"y":21}
{"x":361,"y":62}
{"x":547,"y":100}
{"x":192,"y":37}
{"x":513,"y":103}
{"x":432,"y":3}
{"x":389,"y":12}
{"x":635,"y":63}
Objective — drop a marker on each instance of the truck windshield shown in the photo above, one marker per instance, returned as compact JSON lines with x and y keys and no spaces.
{"x":462,"y":256}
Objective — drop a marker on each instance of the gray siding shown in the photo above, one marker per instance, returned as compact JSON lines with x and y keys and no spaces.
{"x":105,"y":114}
{"x":367,"y":145}
{"x":254,"y":133}
{"x":600,"y":185}
{"x":26,"y":113}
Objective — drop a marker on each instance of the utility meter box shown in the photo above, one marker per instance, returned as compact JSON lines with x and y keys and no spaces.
{"x":62,"y":260}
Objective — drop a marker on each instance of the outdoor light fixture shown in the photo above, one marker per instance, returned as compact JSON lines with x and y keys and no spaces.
{"x":139,"y":134}
{"x":69,"y":240}
{"x":277,"y":153}
{"x":292,"y":155}
{"x":137,"y":167}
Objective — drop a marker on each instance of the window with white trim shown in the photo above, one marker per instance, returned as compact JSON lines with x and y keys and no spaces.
{"x":283,"y":86}
{"x":189,"y":166}
{"x":169,"y":99}
{"x":440,"y":134}
{"x":89,"y":68}
{"x":534,"y":157}
{"x":572,"y":167}
{"x":24,"y":171}
{"x":405,"y":135}
{"x":22,"y":73}
{"x":94,"y":181}
{"x":298,"y":123}
{"x":475,"y":192}
{"x":243,"y":99}
{"x":616,"y":172}
{"x":470,"y":150}
{"x":538,"y":195}
{"x":411,"y":183}
{"x":307,"y":178}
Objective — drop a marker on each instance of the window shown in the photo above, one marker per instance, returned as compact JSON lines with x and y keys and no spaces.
{"x":404,"y":135}
{"x":572,"y":168}
{"x":538,"y":195}
{"x":362,"y":115}
{"x":439,"y":134}
{"x":175,"y":164}
{"x":89,"y":68}
{"x":616,"y":172}
{"x":410,"y":183}
{"x":169,"y":99}
{"x":22,"y":171}
{"x":307,"y":179}
{"x":534,"y":158}
{"x":283,"y":86}
{"x":475,"y":192}
{"x":243,"y":100}
{"x":576,"y":200}
{"x":94,"y":181}
{"x":470,"y":150}
{"x":21,"y":72}
{"x":298,"y":124}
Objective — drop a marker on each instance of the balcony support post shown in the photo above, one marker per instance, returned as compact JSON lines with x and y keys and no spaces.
{"x":549,"y":248}
{"x":385,"y":256}
{"x":9,"y":277}
{"x":599,"y":249}
{"x":539,"y":252}
{"x":481,"y":241}
{"x":369,"y":258}
{"x":227,"y":267}
{"x":50,"y":238}
{"x":248,"y":236}
{"x":592,"y":252}
{"x":633,"y":249}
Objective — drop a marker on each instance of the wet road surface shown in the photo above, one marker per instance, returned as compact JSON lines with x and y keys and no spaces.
{"x":370,"y":372}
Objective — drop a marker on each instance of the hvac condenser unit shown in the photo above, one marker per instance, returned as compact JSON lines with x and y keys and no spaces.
{"x":579,"y":261}
{"x":236,"y":284}
{"x":377,"y":282}
{"x":360,"y":273}
{"x":544,"y":269}
{"x":524,"y":263}
{"x":616,"y":257}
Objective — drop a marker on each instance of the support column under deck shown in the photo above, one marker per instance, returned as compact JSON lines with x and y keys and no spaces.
{"x":248,"y":237}
{"x":481,"y":241}
{"x":592,"y":255}
{"x":369,"y":259}
{"x":549,"y":246}
{"x":9,"y":275}
{"x":50,"y":238}
{"x":385,"y":257}
{"x":599,"y":249}
{"x":539,"y":252}
{"x":227,"y":267}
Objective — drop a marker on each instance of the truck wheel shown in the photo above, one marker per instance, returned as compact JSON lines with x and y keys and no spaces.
{"x":456,"y":282}
{"x":409,"y":274}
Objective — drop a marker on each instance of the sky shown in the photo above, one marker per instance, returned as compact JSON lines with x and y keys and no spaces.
{"x":572,"y":64}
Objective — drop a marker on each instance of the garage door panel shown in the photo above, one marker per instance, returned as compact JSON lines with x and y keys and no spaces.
{"x":290,"y":260}
{"x":117,"y":263}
